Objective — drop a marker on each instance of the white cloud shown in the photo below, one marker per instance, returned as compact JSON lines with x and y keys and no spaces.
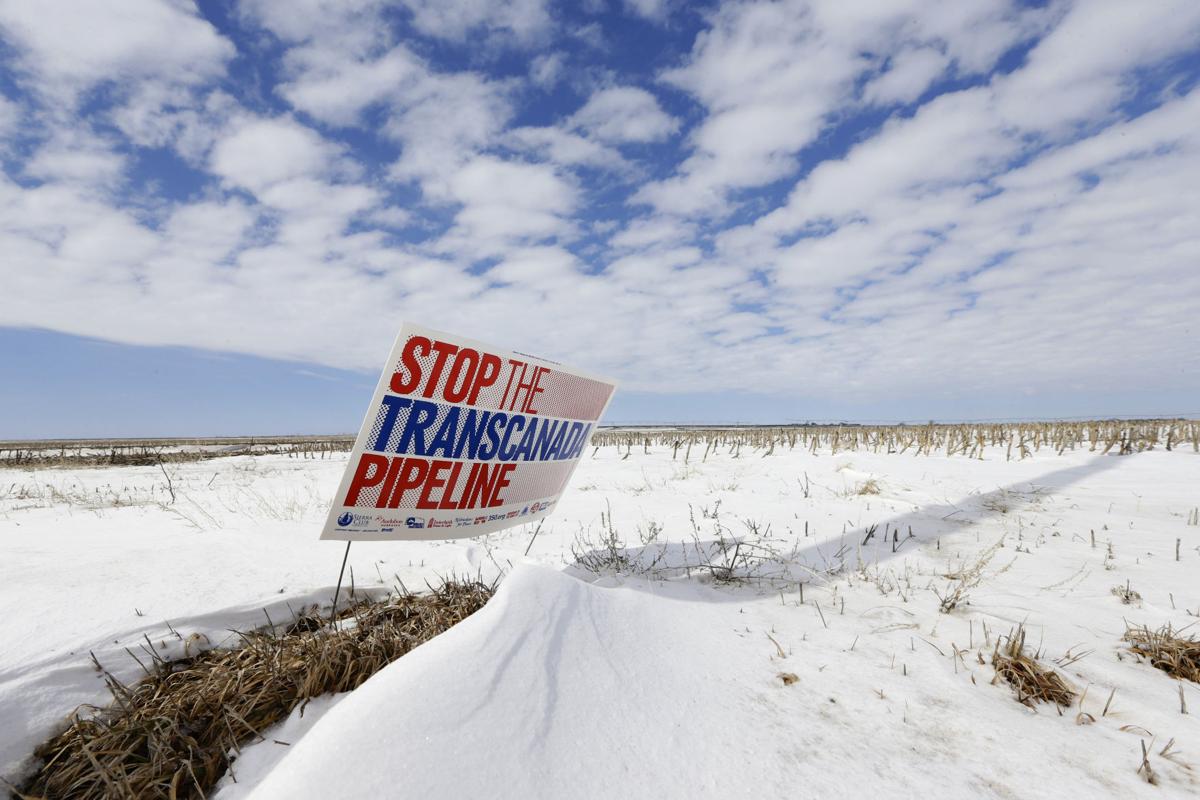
{"x":909,"y":74}
{"x":656,"y":10}
{"x":184,"y":119}
{"x":354,"y":24}
{"x":340,"y":65}
{"x":545,"y":69}
{"x":542,"y":267}
{"x":1079,"y":70}
{"x":773,"y":76}
{"x":208,"y":231}
{"x":624,"y":114}
{"x":443,"y":123}
{"x":260,"y":152}
{"x":75,"y":156}
{"x":565,"y":148}
{"x":506,"y":205}
{"x":653,"y":233}
{"x":524,"y":21}
{"x":66,"y":47}
{"x":336,"y":89}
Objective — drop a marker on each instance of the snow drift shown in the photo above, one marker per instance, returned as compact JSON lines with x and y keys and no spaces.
{"x":556,"y":687}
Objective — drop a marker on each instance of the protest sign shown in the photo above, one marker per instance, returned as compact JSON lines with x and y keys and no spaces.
{"x":462,"y":439}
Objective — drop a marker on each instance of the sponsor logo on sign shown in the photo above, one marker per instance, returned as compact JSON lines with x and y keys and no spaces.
{"x":345,"y":519}
{"x":439,"y":523}
{"x":460,"y":521}
{"x":512,"y":514}
{"x":415,"y":522}
{"x":386,"y":530}
{"x":480,"y":520}
{"x":495,"y":516}
{"x":525,"y":511}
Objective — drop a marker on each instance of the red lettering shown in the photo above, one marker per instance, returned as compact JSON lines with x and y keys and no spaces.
{"x":462,"y":375}
{"x":501,"y":481}
{"x":389,"y":482}
{"x":370,"y":472}
{"x":513,"y":363}
{"x":433,"y":481}
{"x":525,"y":388}
{"x":451,"y":483}
{"x":464,"y":500}
{"x":414,"y":348}
{"x":486,"y":375}
{"x":443,"y":350}
{"x":411,"y":476}
{"x":535,"y":388}
{"x":484,"y":486}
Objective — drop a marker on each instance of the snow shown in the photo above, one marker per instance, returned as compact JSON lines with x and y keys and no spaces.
{"x":258,"y":759}
{"x":655,"y":681}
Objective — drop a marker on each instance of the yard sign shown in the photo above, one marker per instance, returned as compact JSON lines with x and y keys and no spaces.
{"x":463,"y":439}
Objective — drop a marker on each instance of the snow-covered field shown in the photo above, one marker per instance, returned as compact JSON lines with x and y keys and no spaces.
{"x":612,"y":663}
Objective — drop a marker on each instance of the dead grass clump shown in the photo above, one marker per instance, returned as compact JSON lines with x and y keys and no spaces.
{"x":1168,"y":650}
{"x":869,"y":486}
{"x":175,"y":732}
{"x":1032,"y":681}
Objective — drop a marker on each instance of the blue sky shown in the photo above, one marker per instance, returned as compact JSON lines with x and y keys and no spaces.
{"x":213,"y":217}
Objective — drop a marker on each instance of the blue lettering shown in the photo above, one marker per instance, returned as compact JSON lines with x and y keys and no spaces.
{"x":515,"y":423}
{"x":421,"y":416}
{"x":393,"y":405}
{"x":488,"y":448}
{"x":544,"y":436}
{"x":444,"y":438}
{"x":525,"y":448}
{"x":556,"y":447}
{"x":472,"y":433}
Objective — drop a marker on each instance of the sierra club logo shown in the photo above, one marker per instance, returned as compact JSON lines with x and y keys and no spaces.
{"x":345,"y":519}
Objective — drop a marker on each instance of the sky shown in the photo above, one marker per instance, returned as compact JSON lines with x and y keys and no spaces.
{"x":214,"y":216}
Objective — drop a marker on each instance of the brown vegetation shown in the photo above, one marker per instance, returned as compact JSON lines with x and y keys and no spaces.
{"x":1167,"y":650}
{"x":171,"y":734}
{"x":1032,"y":681}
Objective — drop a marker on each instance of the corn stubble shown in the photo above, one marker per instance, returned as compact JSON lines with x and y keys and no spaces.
{"x":172,"y":734}
{"x":1017,"y":440}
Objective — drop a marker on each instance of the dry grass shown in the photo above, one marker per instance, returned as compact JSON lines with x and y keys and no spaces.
{"x":1033,"y":682}
{"x":1168,"y":650}
{"x":172,"y":734}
